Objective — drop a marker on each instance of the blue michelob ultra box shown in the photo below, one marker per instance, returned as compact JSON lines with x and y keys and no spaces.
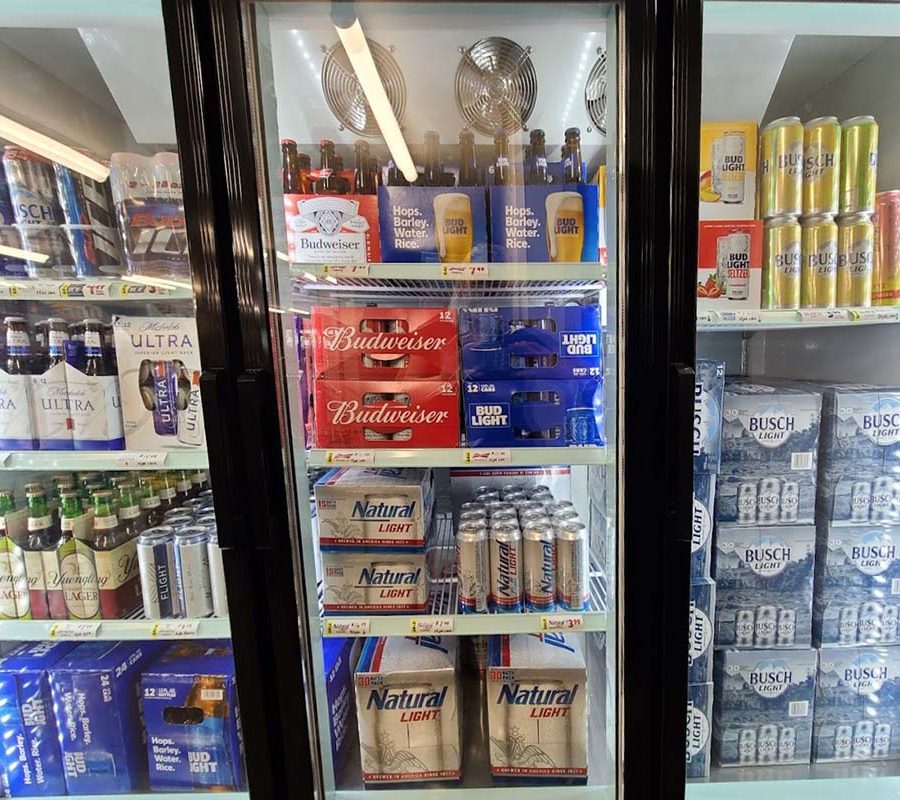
{"x":338,"y":654}
{"x":709,"y":386}
{"x":530,"y":342}
{"x":95,"y":691}
{"x":534,"y":413}
{"x":545,"y":223}
{"x":30,"y":757}
{"x":431,"y":224}
{"x":192,"y":719}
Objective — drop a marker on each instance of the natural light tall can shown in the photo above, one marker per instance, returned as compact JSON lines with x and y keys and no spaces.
{"x":781,"y":167}
{"x":886,"y":266}
{"x":781,"y":263}
{"x":859,"y":164}
{"x":821,"y":165}
{"x":818,"y":265}
{"x":856,"y":249}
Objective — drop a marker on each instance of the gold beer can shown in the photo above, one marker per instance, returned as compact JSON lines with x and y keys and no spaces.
{"x":818,"y":262}
{"x":886,"y":265}
{"x":856,"y":252}
{"x":781,"y":168}
{"x":821,"y":165}
{"x":781,"y":263}
{"x":859,"y":164}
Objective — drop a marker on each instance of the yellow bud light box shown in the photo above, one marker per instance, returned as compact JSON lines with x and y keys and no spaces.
{"x":727,"y":170}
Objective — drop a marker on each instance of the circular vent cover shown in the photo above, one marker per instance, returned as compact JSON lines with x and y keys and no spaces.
{"x":345,"y":96}
{"x":595,"y":93}
{"x":496,"y":85}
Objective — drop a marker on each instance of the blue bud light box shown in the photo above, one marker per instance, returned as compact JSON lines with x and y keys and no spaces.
{"x":432,"y":224}
{"x":545,"y":223}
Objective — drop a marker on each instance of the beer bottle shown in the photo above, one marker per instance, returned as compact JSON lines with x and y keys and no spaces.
{"x":395,"y":177}
{"x":96,"y":358}
{"x":290,"y":171}
{"x":41,"y":539}
{"x":344,"y":184}
{"x":200,"y":480}
{"x":304,"y":166}
{"x":572,"y":156}
{"x":468,"y":165}
{"x":14,"y":602}
{"x":537,"y":164}
{"x":502,"y":166}
{"x":78,"y":570}
{"x":433,"y":174}
{"x":18,"y":347}
{"x":57,"y":336}
{"x":129,"y":512}
{"x":40,"y":359}
{"x":75,"y":346}
{"x":165,"y":490}
{"x":150,"y":502}
{"x":107,"y":533}
{"x":328,"y":182}
{"x":375,"y":171}
{"x":362,"y":177}
{"x":184,"y":489}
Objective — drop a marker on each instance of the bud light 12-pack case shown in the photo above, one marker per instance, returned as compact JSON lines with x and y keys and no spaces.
{"x":700,"y":630}
{"x":708,"y":388}
{"x":699,"y":729}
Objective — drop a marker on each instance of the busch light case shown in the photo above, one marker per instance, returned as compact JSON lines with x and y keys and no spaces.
{"x":430,"y":224}
{"x":30,"y":758}
{"x":764,"y":586}
{"x":339,"y":656}
{"x":530,"y":342}
{"x":699,"y":730}
{"x":860,"y":454}
{"x":763,"y":707}
{"x":857,"y":585}
{"x":708,"y":388}
{"x":534,"y":413}
{"x":770,"y":442}
{"x":702,"y":524}
{"x":857,"y":715}
{"x":191,"y":714}
{"x":159,"y":375}
{"x":96,"y":696}
{"x":700,"y":630}
{"x":558,"y":223}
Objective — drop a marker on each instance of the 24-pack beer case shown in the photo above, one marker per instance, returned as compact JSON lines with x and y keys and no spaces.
{"x":708,"y":388}
{"x":699,"y":729}
{"x":701,"y":631}
{"x":702,"y":517}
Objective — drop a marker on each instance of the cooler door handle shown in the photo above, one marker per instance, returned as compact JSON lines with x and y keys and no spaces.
{"x":682,"y":480}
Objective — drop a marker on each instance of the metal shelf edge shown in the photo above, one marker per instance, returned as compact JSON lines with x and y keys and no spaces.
{"x":35,"y":630}
{"x":456,"y":457}
{"x":495,"y":271}
{"x":99,"y":459}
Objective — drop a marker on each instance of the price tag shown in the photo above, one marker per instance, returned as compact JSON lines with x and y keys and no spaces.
{"x":349,"y":458}
{"x":75,"y":630}
{"x":175,"y":629}
{"x":138,"y":459}
{"x":740,"y":317}
{"x":140,"y":289}
{"x":822,"y":315}
{"x":705,"y":317}
{"x":487,"y":456}
{"x":347,"y":627}
{"x":41,"y":289}
{"x":431,"y":625}
{"x":874,"y":314}
{"x":465,"y":271}
{"x":561,"y":622}
{"x":346,"y":270}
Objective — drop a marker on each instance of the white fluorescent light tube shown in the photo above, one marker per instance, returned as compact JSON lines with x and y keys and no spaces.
{"x":357,"y":49}
{"x":50,"y":148}
{"x":27,"y":255}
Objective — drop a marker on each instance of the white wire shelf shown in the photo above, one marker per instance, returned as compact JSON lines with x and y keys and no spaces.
{"x":98,"y":290}
{"x":724,"y":320}
{"x":459,"y":457}
{"x":443,"y":602}
{"x":101,"y":459}
{"x":34,"y":630}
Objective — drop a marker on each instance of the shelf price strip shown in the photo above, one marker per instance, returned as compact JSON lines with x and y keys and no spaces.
{"x":562,"y":622}
{"x":420,"y":625}
{"x":140,"y":459}
{"x":175,"y":629}
{"x":75,"y":630}
{"x":347,"y":627}
{"x":464,"y":271}
{"x":491,"y":456}
{"x":349,"y":458}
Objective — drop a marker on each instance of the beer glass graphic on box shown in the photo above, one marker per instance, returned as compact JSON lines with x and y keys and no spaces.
{"x":565,"y":226}
{"x":453,"y":227}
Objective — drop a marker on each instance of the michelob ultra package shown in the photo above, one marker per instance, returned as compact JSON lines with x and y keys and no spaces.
{"x":408,"y":709}
{"x":728,"y":170}
{"x":537,"y":698}
{"x":708,"y":387}
{"x":699,"y":730}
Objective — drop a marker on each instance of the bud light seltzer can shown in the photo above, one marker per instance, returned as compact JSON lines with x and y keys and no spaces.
{"x":886,"y":266}
{"x":781,"y":263}
{"x":539,"y":569}
{"x":506,"y":568}
{"x":729,"y":159}
{"x":737,"y":267}
{"x":856,"y":252}
{"x":821,"y":165}
{"x":156,"y":563}
{"x":818,"y":265}
{"x":472,"y":567}
{"x":781,"y":167}
{"x":573,"y":574}
{"x":859,"y":163}
{"x":192,"y":566}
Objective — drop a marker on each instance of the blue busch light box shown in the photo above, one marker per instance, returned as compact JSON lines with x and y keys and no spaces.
{"x":700,"y":630}
{"x":530,"y":342}
{"x":764,"y":586}
{"x":534,"y":413}
{"x":702,"y":524}
{"x":699,"y":729}
{"x":708,"y":387}
{"x":857,"y":716}
{"x":432,"y":224}
{"x":763,"y":707}
{"x":545,"y":223}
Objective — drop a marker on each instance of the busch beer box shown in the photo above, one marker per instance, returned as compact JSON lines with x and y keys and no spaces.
{"x":857,"y":716}
{"x":384,"y":582}
{"x":729,"y":265}
{"x":860,"y":454}
{"x":558,"y":223}
{"x":534,"y":413}
{"x":764,"y":586}
{"x":339,"y":656}
{"x":333,"y":229}
{"x":763,"y":707}
{"x":31,"y":761}
{"x":537,"y":698}
{"x":374,"y":507}
{"x":728,"y":170}
{"x":381,"y":413}
{"x":384,"y":344}
{"x":159,"y":378}
{"x":700,"y":630}
{"x":431,"y":224}
{"x":857,"y":585}
{"x":190,"y":711}
{"x":530,"y":342}
{"x":702,"y":524}
{"x":708,"y":387}
{"x":408,"y":710}
{"x":699,"y":730}
{"x":770,"y":445}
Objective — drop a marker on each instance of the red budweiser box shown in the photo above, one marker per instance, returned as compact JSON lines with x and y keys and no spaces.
{"x":387,"y":413}
{"x":385,"y":344}
{"x":333,"y":229}
{"x":729,"y":264}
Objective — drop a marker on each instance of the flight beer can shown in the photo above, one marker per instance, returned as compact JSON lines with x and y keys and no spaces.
{"x":781,"y":168}
{"x":859,"y":163}
{"x":821,"y":165}
{"x":156,"y":564}
{"x":216,"y":575}
{"x":886,"y":265}
{"x":539,"y":569}
{"x":856,"y":251}
{"x":192,"y":569}
{"x":781,"y":263}
{"x":818,"y":270}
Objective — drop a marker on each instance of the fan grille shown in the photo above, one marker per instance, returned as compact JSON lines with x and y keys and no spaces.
{"x":344,"y":94}
{"x":496,"y":85}
{"x":595,"y":93}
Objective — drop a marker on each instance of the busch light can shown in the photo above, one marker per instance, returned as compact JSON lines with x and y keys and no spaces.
{"x":881,"y":741}
{"x":32,"y":187}
{"x":843,"y":741}
{"x":848,"y":625}
{"x":869,"y":629}
{"x":192,"y":566}
{"x":766,"y":626}
{"x":767,"y":744}
{"x":472,"y":566}
{"x":787,"y":627}
{"x":790,"y":501}
{"x":889,"y":619}
{"x":787,"y":743}
{"x":882,"y":503}
{"x":506,"y":568}
{"x":860,"y":501}
{"x":768,"y":501}
{"x":744,"y":626}
{"x":156,"y":563}
{"x":746,"y":503}
{"x":216,"y":575}
{"x":573,"y":573}
{"x":863,"y":734}
{"x":747,"y":746}
{"x":539,"y":568}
